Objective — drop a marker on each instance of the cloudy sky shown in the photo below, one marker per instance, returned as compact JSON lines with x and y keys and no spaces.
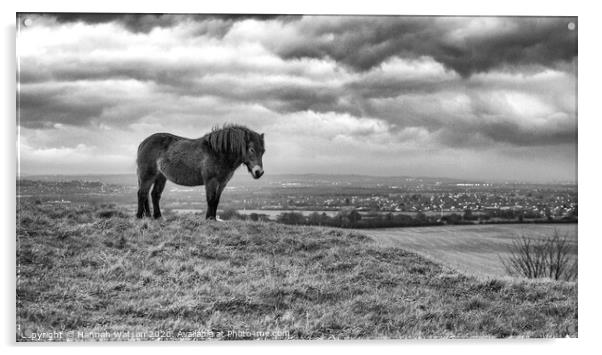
{"x":475,"y":97}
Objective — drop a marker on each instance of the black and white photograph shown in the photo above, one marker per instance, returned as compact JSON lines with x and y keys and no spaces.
{"x":210,"y":177}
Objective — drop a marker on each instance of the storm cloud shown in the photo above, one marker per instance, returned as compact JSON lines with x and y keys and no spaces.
{"x":332,"y":93}
{"x":465,"y":45}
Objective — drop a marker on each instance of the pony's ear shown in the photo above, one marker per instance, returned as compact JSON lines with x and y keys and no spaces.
{"x":261,"y":136}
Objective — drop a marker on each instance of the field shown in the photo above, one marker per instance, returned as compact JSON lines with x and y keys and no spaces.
{"x":472,"y":249}
{"x":96,"y":273}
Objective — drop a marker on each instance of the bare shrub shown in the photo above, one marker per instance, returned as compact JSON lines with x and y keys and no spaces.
{"x":230,"y":213}
{"x":550,"y":257}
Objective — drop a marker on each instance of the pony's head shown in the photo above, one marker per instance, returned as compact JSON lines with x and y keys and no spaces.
{"x":254,"y":154}
{"x":241,"y":142}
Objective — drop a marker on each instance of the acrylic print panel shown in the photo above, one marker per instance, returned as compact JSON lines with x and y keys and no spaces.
{"x":244,"y":177}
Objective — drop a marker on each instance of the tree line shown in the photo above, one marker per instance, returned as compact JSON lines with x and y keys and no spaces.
{"x":352,"y":218}
{"x":345,"y":218}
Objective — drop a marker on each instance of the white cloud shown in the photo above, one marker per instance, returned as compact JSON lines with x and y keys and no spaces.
{"x":423,"y":68}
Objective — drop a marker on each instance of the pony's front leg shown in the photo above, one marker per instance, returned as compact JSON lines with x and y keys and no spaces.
{"x":212,"y":191}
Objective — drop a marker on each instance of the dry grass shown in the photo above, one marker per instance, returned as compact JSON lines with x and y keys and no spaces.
{"x":82,"y":269}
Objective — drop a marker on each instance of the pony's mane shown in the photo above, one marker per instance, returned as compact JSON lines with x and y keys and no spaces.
{"x":230,"y":138}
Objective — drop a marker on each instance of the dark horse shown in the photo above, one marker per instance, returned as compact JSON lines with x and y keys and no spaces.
{"x":210,"y":160}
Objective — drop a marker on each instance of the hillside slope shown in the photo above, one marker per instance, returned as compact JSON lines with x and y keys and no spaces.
{"x":99,"y":270}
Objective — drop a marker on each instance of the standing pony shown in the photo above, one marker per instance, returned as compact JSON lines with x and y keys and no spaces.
{"x":210,"y":160}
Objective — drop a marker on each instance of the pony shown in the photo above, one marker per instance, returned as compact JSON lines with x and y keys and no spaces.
{"x":210,"y":160}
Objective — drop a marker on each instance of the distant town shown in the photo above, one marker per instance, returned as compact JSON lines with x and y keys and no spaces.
{"x":333,"y":200}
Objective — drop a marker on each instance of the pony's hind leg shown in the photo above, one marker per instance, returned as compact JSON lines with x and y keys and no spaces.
{"x":158,"y":187}
{"x":143,"y":205}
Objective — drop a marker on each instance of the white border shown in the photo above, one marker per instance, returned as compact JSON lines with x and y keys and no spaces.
{"x":589,"y":172}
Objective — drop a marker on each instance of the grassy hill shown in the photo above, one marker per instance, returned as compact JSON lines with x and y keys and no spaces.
{"x":95,"y":271}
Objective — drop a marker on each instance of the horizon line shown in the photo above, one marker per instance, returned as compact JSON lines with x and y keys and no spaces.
{"x":575,"y":182}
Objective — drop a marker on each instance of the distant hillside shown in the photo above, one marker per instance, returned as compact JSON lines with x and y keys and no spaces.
{"x":100,"y":271}
{"x":242,"y":178}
